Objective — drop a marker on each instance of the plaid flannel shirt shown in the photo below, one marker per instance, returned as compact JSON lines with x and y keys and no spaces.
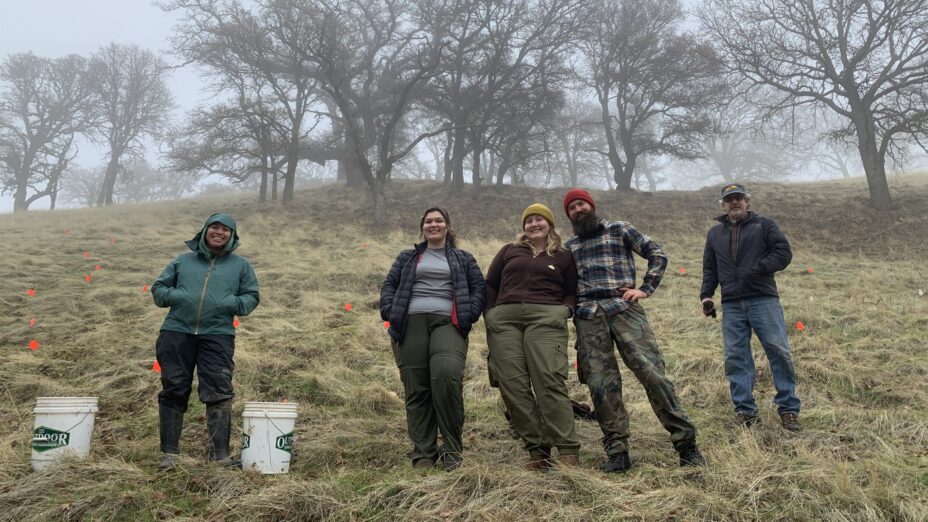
{"x":605,"y":266}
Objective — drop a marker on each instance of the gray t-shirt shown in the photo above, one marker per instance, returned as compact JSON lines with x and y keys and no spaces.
{"x":432,"y":291}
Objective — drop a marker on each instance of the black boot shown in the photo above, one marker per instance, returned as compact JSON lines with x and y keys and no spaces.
{"x":219,"y":427}
{"x":618,"y":463}
{"x":171,"y":424}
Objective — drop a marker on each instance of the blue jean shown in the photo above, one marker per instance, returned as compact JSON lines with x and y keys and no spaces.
{"x":764,"y":316}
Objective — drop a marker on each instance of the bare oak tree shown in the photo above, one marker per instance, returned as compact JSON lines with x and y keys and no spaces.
{"x":132,"y":102}
{"x":866,"y":60}
{"x":43,"y":105}
{"x":372,"y":58}
{"x":501,"y":76}
{"x":653,"y":82}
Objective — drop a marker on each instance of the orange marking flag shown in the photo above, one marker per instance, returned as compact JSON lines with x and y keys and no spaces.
{"x":386,"y":324}
{"x":236,"y":323}
{"x":33,"y":345}
{"x":799,"y":326}
{"x":144,"y":288}
{"x":348,"y":307}
{"x":156,"y":367}
{"x":32,"y":323}
{"x":97,"y":267}
{"x":810,"y":270}
{"x":30,"y":292}
{"x":682,"y":271}
{"x":86,"y":255}
{"x":87,"y":278}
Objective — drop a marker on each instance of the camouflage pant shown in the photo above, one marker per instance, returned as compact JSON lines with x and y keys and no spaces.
{"x":600,"y":371}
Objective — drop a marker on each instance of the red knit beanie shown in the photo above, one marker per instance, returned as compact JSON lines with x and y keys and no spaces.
{"x":576,"y":193}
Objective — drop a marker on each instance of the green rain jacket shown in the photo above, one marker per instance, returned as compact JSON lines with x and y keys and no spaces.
{"x":206,"y":292}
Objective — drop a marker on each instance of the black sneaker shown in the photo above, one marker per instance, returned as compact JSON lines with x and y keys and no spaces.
{"x":747,"y":420}
{"x":450,"y":461}
{"x":691,"y":457}
{"x":790,"y":421}
{"x":618,"y":463}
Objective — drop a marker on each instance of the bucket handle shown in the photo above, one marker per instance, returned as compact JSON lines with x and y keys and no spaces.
{"x":86,"y":413}
{"x":270,"y":447}
{"x":266,"y":416}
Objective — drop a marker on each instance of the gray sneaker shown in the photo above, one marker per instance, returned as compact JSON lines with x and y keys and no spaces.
{"x":168,"y":461}
{"x":790,"y":421}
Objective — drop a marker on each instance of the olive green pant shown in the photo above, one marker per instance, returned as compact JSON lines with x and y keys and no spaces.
{"x":528,"y":355}
{"x":431,"y":362}
{"x":598,"y":368}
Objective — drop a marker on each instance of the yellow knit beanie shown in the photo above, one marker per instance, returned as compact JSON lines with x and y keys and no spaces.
{"x":541,"y":210}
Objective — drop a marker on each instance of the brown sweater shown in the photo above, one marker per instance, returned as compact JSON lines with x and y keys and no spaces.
{"x":515,"y":276}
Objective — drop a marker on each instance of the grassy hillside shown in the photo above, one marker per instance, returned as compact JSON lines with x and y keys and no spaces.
{"x":857,"y":283}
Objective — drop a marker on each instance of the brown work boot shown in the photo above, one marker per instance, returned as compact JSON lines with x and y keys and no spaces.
{"x":568,"y":460}
{"x":537,"y":463}
{"x":423,"y":464}
{"x":790,"y":421}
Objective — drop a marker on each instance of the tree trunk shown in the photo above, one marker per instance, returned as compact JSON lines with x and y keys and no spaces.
{"x":262,"y":193}
{"x":623,"y":173}
{"x":289,"y":177}
{"x":275,"y":177}
{"x":109,"y":179}
{"x":873,"y":163}
{"x":22,"y":187}
{"x":446,"y":162}
{"x":457,"y":160}
{"x":352,"y":167}
{"x":477,"y":179}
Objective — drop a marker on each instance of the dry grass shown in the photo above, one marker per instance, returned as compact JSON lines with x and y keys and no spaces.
{"x":861,"y":361}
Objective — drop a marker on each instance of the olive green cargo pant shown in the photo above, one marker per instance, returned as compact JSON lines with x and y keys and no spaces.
{"x":600,"y":371}
{"x":431,"y":362}
{"x":528,"y":355}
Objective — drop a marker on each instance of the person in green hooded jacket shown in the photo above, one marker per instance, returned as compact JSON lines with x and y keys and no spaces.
{"x":205,"y":289}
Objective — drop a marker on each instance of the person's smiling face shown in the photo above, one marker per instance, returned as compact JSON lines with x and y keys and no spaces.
{"x":536,"y":227}
{"x":217,"y":236}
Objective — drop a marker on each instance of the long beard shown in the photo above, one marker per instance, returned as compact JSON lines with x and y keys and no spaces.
{"x":586,"y":226}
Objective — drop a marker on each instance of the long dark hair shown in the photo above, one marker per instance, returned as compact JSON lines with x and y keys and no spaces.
{"x":451,"y":238}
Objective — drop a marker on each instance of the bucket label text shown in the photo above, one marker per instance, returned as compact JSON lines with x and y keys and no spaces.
{"x":285,"y":442}
{"x":246,"y":441}
{"x":45,"y":439}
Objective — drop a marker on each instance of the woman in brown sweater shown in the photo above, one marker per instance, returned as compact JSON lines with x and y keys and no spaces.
{"x":531,"y":292}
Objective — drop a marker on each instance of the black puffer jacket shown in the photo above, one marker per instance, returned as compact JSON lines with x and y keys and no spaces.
{"x":744,"y":269}
{"x":466,"y":279}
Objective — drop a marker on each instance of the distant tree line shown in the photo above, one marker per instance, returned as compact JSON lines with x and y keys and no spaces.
{"x":117,"y":97}
{"x":540,"y":92}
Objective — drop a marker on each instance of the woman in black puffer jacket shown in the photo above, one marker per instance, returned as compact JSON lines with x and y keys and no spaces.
{"x":432,"y":296}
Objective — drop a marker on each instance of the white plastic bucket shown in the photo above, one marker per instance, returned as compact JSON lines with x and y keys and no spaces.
{"x":63,"y":426}
{"x":267,"y":436}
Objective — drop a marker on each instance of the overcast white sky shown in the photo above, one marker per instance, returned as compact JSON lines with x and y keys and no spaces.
{"x":59,"y":27}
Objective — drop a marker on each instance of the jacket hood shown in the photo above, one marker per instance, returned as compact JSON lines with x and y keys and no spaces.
{"x":198,"y":243}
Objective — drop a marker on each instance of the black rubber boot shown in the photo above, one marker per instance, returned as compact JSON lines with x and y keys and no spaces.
{"x":171,"y":423}
{"x":219,"y":427}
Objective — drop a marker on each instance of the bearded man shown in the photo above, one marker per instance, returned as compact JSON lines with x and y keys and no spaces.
{"x":609,"y":313}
